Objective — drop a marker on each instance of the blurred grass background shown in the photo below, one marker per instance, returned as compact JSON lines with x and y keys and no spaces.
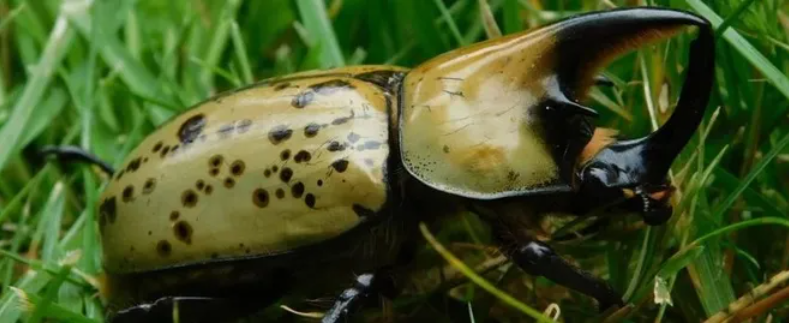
{"x":103,"y":74}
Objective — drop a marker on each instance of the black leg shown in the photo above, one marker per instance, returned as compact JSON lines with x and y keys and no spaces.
{"x":73,"y":153}
{"x":189,"y":309}
{"x":539,"y":259}
{"x":364,"y":287}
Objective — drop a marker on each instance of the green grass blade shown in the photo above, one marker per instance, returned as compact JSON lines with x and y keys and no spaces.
{"x":478,"y":280}
{"x":241,"y":53}
{"x":771,"y":73}
{"x":316,"y":22}
{"x":41,"y":76}
{"x":453,"y":27}
{"x":756,"y":171}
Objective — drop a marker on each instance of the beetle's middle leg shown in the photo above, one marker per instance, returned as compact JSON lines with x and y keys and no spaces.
{"x":537,"y":258}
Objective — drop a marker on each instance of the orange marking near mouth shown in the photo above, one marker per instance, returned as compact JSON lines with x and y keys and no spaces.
{"x":602,"y":138}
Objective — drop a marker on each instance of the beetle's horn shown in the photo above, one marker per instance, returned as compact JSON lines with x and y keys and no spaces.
{"x":648,"y":159}
{"x":667,"y":142}
{"x":586,"y":43}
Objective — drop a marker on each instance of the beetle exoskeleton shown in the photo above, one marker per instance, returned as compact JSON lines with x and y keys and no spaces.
{"x":269,"y":187}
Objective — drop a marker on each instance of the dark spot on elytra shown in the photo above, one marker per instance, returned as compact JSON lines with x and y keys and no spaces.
{"x":229,"y":183}
{"x":302,"y":156}
{"x":331,"y":86}
{"x":189,"y":198}
{"x":340,"y":165}
{"x":369,"y":145}
{"x":200,"y":184}
{"x":109,"y":209}
{"x":163,"y":248}
{"x":335,"y":146}
{"x":191,"y":128}
{"x":274,"y":169}
{"x":281,"y":86}
{"x":215,"y":161}
{"x":362,"y":211}
{"x":284,"y":155}
{"x":128,"y":193}
{"x":165,"y":150}
{"x":102,"y":222}
{"x":446,"y":149}
{"x":214,"y":172}
{"x":260,"y":197}
{"x":309,"y":199}
{"x":267,"y":173}
{"x":145,"y":160}
{"x":343,"y":120}
{"x":311,"y":130}
{"x":320,"y":183}
{"x":133,"y":165}
{"x":175,"y":148}
{"x":279,"y":134}
{"x":226,"y":130}
{"x":280,"y":193}
{"x":175,"y":215}
{"x":303,"y":99}
{"x":286,"y":174}
{"x":297,"y":190}
{"x":512,"y":175}
{"x":243,"y":125}
{"x":157,"y":147}
{"x":209,"y":189}
{"x":183,"y":232}
{"x":237,"y":168}
{"x":149,"y":185}
{"x":353,"y":137}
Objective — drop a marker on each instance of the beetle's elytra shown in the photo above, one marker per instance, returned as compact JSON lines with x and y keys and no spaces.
{"x":265,"y":189}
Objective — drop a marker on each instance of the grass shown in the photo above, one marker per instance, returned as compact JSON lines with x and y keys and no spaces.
{"x":103,"y":74}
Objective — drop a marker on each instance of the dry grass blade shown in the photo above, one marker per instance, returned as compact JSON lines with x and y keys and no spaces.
{"x":749,"y":298}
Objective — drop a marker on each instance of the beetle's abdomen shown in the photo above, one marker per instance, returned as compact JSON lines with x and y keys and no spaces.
{"x":259,"y":171}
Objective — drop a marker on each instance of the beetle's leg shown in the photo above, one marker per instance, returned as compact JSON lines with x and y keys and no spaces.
{"x":539,"y":259}
{"x":189,"y":309}
{"x":74,"y":153}
{"x":365,"y":285}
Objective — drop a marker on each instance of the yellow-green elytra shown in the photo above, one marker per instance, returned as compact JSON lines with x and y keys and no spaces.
{"x":324,"y":174}
{"x":271,"y":167}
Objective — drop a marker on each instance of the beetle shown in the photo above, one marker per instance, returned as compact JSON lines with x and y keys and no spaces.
{"x":298,"y":182}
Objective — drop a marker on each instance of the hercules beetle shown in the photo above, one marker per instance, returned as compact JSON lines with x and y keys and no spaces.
{"x":298,"y":182}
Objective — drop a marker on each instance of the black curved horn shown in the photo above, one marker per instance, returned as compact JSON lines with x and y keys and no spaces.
{"x":648,"y":159}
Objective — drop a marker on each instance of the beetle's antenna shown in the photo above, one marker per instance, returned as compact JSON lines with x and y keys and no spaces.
{"x":74,"y":153}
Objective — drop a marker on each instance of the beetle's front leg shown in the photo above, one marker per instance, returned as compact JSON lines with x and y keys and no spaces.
{"x":539,"y":259}
{"x":365,"y":286}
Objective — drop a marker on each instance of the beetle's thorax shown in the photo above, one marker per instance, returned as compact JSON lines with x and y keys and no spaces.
{"x":477,"y":122}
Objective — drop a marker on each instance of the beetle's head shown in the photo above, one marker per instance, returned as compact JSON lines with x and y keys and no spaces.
{"x":633,"y":173}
